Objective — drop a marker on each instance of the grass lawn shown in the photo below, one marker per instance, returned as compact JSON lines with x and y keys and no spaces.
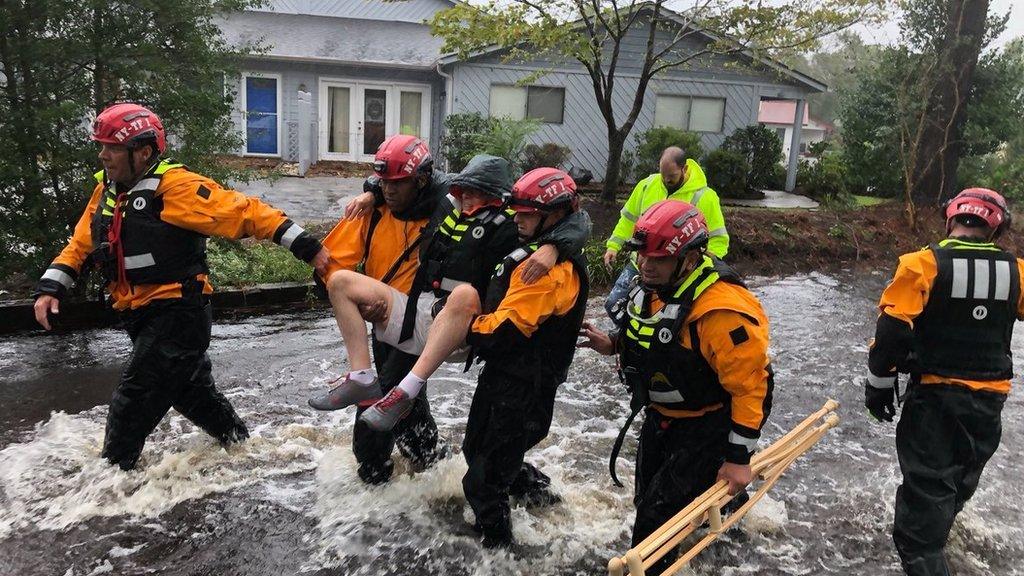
{"x":869,"y":200}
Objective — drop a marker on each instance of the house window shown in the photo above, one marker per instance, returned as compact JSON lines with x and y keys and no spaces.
{"x":689,"y":113}
{"x":262,"y":102}
{"x":545,"y":103}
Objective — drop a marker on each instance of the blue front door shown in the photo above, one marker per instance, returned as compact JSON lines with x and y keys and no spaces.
{"x":261,"y":115}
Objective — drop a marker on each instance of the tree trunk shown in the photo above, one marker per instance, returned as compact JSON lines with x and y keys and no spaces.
{"x":616,"y":142}
{"x":938,"y":148}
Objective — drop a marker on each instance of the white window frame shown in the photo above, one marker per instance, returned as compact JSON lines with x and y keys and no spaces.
{"x":357,"y":88}
{"x":526,"y":100}
{"x":689,"y":112}
{"x":244,"y":90}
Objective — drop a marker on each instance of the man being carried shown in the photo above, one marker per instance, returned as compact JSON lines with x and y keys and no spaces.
{"x":526,"y":337}
{"x":693,"y":348}
{"x":468,"y":235}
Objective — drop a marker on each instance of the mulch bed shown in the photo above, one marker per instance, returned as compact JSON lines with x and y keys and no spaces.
{"x":767,"y":242}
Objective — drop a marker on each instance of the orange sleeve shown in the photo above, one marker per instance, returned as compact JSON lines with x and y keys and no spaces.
{"x":906,"y":295}
{"x":526,"y":306}
{"x":1020,"y":301}
{"x":736,"y":347}
{"x":196,"y":203}
{"x":80,"y":245}
{"x":199,"y":204}
{"x":346,"y":243}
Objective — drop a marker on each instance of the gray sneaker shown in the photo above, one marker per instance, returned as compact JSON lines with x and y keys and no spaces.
{"x":346,"y":394}
{"x":383,"y":415}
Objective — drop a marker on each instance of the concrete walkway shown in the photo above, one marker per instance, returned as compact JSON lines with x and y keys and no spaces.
{"x":306,"y":200}
{"x":774,"y":199}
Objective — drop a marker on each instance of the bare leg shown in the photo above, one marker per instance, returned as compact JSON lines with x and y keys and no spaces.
{"x":448,"y":331}
{"x":348,"y":291}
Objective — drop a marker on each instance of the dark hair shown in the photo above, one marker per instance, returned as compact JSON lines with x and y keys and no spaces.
{"x":970,"y":221}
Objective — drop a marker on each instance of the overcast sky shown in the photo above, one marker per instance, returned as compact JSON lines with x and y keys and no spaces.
{"x":889,"y":31}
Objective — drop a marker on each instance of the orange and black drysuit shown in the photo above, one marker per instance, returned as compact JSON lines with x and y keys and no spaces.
{"x":526,"y":338}
{"x":150,"y":243}
{"x":384,"y":246}
{"x":697,"y":359}
{"x":946,"y":319}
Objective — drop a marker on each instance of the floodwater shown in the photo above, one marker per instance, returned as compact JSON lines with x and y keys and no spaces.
{"x":289,"y":501}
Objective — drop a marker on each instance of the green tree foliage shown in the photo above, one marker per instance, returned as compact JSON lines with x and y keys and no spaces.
{"x":64,"y":60}
{"x":595,"y":35}
{"x":761,"y":149}
{"x":871,"y":115}
{"x":837,"y":68}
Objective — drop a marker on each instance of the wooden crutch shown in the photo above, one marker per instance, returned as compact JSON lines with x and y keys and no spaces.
{"x":768,"y":465}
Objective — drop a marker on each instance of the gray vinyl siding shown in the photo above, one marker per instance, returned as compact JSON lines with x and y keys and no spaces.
{"x":583,"y":128}
{"x":403,"y":11}
{"x":737,"y":80}
{"x":295,"y":74}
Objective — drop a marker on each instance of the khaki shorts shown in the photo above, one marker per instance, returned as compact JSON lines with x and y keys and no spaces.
{"x":390,"y":333}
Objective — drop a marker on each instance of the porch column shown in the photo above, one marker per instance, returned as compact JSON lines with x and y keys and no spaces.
{"x":794,"y":145}
{"x":305,"y":129}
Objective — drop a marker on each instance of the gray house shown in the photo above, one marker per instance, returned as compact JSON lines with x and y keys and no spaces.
{"x":372,"y":68}
{"x":369,"y":69}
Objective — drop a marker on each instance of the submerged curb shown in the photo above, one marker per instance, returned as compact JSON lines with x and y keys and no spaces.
{"x":18,"y":315}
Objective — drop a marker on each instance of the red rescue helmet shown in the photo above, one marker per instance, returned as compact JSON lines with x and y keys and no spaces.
{"x":402,"y":156}
{"x":544,"y":190}
{"x":130,"y":125}
{"x":669,"y":228}
{"x":982,"y":204}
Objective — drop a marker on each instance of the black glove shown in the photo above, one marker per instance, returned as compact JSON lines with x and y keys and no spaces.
{"x":881,"y":402}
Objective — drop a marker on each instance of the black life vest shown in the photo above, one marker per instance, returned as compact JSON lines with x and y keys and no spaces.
{"x":454,"y":254}
{"x":154,"y":251}
{"x":653,"y":362}
{"x":965,"y":328}
{"x":549,"y":351}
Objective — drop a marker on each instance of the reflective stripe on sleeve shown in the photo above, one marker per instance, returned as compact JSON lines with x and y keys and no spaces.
{"x":749,"y":443}
{"x":59,"y":276}
{"x":290,"y":235}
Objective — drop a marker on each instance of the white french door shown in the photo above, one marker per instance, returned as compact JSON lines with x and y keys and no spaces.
{"x":355,"y":117}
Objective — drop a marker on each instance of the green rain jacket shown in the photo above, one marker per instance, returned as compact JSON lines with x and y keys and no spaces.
{"x":694,"y":190}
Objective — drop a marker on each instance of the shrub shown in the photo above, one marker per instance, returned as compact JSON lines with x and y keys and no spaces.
{"x":549,"y":155}
{"x":825,"y":181}
{"x":505,"y":138}
{"x":234,"y":263}
{"x":818,"y":149}
{"x":777,"y":181}
{"x":650,"y":145}
{"x":762,"y":150}
{"x":727,"y":172}
{"x":459,"y":133}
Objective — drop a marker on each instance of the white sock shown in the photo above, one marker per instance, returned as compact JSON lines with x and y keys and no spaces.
{"x":363,"y":377}
{"x":412,"y":384}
